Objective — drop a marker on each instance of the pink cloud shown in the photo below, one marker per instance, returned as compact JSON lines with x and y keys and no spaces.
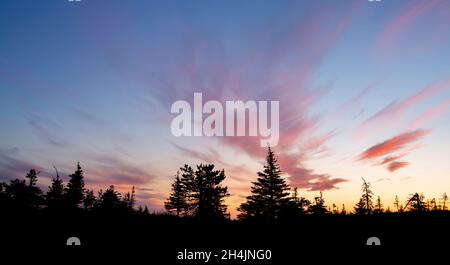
{"x":301,"y":176}
{"x":393,"y":144}
{"x":430,"y":114}
{"x":394,"y":112}
{"x":390,"y":159}
{"x":403,"y":22}
{"x":396,"y":165}
{"x":273,"y":69}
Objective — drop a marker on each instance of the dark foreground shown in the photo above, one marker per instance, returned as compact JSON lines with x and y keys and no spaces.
{"x":168,"y":239}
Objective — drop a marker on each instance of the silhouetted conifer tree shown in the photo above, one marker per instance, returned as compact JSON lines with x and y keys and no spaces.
{"x":444,"y":200}
{"x":365,"y":204}
{"x":177,"y":201}
{"x":378,"y":206}
{"x":397,"y":203}
{"x":318,"y":207}
{"x":74,"y":192}
{"x":129,"y":199}
{"x":89,"y":200}
{"x":54,"y":196}
{"x":206,"y":192}
{"x":343,"y":211}
{"x":416,"y":202}
{"x":110,"y":200}
{"x":270,"y":193}
{"x":360,"y":207}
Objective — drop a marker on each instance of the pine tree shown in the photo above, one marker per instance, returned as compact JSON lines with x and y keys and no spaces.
{"x":207,"y":194}
{"x":343,"y":211}
{"x":270,"y":193}
{"x":444,"y":201}
{"x":187,"y":180}
{"x":296,"y":206}
{"x":74,"y":192}
{"x":132,"y":201}
{"x":55,"y":192}
{"x":32,"y":177}
{"x":110,"y":199}
{"x":378,"y":206}
{"x":146,"y":211}
{"x":416,"y":202}
{"x":129,"y":199}
{"x":33,"y":194}
{"x":360,"y":207}
{"x":177,"y":203}
{"x":365,"y":204}
{"x":318,"y":207}
{"x":89,"y":200}
{"x":397,"y":203}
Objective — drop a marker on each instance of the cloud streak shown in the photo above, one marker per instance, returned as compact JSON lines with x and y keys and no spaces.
{"x":396,"y":165}
{"x":393,"y":144}
{"x":394,"y":113}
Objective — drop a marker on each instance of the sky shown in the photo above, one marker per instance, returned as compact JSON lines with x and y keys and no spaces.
{"x":363,"y":88}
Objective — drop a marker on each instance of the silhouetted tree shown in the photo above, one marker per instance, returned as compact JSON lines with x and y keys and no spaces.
{"x":296,"y":206}
{"x":434,"y":205}
{"x":74,"y":192}
{"x":343,"y":211}
{"x":378,"y":206}
{"x":397,"y":204}
{"x":335,"y":209}
{"x":270,"y":193}
{"x":129,"y":199}
{"x":110,"y":199}
{"x":187,"y":181}
{"x":318,"y":207}
{"x":21,"y":195}
{"x":89,"y":200}
{"x":365,"y":204}
{"x":416,"y":202}
{"x":54,"y":196}
{"x":177,"y":201}
{"x":32,"y":177}
{"x":360,"y":207}
{"x":444,"y":200}
{"x":206,"y":193}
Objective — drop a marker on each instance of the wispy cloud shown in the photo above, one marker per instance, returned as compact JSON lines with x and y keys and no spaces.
{"x":393,"y":144}
{"x":13,"y":166}
{"x":46,"y":129}
{"x":388,"y":149}
{"x":429,"y":115}
{"x":395,"y":112}
{"x":402,"y":22}
{"x":397,"y":165}
{"x":279,"y":70}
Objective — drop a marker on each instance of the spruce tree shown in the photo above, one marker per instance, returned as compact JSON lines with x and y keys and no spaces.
{"x":55,"y":192}
{"x":365,"y":204}
{"x":318,"y":207}
{"x":177,"y":203}
{"x":74,"y":192}
{"x":270,"y":193}
{"x":207,"y":194}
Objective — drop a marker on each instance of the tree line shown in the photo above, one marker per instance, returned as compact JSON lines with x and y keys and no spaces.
{"x":199,"y":193}
{"x":24,"y":194}
{"x":272,"y":198}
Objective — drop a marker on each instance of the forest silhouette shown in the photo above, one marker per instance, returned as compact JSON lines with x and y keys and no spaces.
{"x":199,"y":193}
{"x":196,"y":211}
